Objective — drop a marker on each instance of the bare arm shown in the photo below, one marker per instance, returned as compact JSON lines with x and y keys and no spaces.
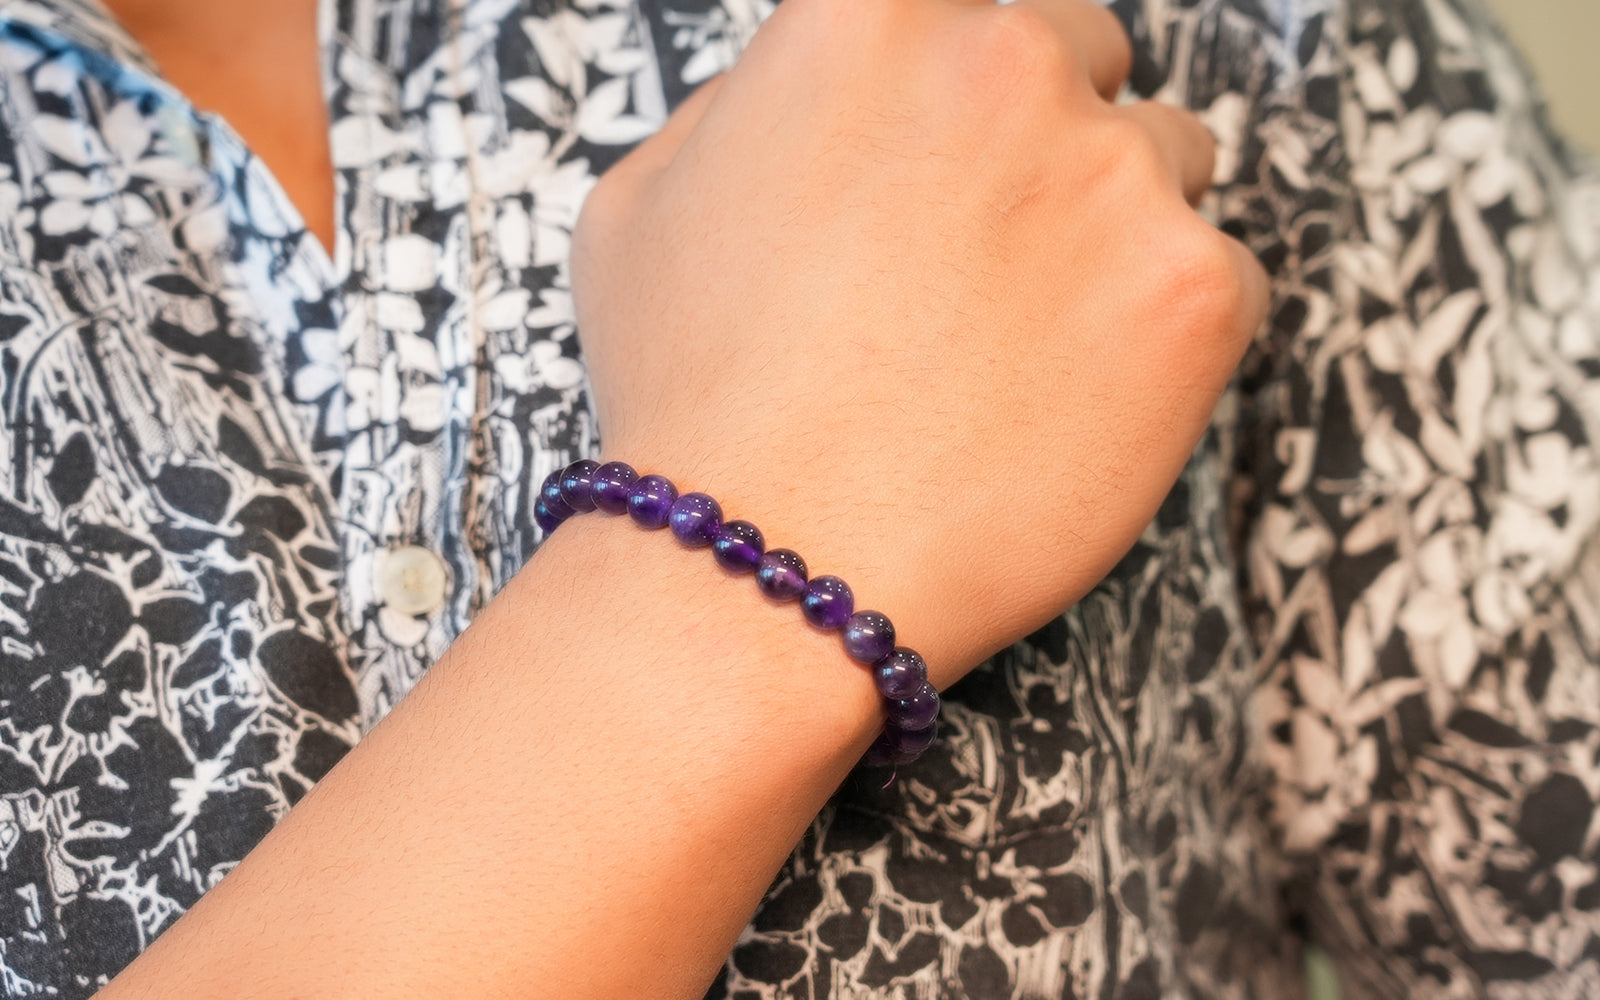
{"x":586,"y":798}
{"x":908,"y":293}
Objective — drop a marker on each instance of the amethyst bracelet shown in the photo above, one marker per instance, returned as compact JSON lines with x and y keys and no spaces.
{"x":696,"y":520}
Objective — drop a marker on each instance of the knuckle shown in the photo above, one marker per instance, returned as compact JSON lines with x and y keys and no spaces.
{"x":1118,"y":48}
{"x":1021,"y":43}
{"x":1200,"y":277}
{"x":1129,"y":158}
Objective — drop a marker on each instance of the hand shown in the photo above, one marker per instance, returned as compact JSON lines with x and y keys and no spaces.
{"x":908,"y":292}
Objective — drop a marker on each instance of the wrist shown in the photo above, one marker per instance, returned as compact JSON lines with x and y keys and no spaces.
{"x":827,"y":602}
{"x":897,"y":555}
{"x":713,"y":633}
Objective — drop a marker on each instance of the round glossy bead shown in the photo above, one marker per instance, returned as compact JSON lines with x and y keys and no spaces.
{"x":577,"y":484}
{"x":650,"y":502}
{"x":739,"y":546}
{"x":900,"y":675}
{"x":828,"y":602}
{"x":868,"y":636}
{"x":613,"y":482}
{"x":695,"y":519}
{"x":918,"y":710}
{"x":782,"y":575}
{"x":545,"y":518}
{"x":881,"y":753}
{"x":550,"y":493}
{"x":908,"y":744}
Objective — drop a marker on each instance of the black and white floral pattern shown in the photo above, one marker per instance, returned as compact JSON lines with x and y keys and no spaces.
{"x":1346,"y":687}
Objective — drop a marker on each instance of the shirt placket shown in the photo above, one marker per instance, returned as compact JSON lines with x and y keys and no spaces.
{"x":408,"y":338}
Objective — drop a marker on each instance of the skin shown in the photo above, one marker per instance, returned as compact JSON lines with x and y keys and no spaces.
{"x":254,"y":63}
{"x":908,"y":292}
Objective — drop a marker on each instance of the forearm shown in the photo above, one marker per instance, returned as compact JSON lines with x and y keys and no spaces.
{"x":585,"y":798}
{"x":993,"y":391}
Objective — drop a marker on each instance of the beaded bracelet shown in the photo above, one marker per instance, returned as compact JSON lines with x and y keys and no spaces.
{"x":827,"y":603}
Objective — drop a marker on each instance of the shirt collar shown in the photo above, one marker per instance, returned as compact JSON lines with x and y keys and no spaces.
{"x":87,"y":24}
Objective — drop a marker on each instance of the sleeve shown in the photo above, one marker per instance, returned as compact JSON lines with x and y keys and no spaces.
{"x":1419,"y":500}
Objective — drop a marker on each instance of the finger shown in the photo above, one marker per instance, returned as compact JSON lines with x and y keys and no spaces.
{"x":1256,"y":298}
{"x":657,"y":151}
{"x":1094,"y":35}
{"x":1185,"y":143}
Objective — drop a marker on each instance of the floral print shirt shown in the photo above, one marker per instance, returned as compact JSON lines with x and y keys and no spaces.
{"x":1345,"y":687}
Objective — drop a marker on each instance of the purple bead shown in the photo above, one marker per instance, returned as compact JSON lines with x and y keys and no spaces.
{"x":650,"y":502}
{"x":695,"y":519}
{"x":908,"y":744}
{"x":545,"y":518}
{"x":739,"y":546}
{"x":828,"y":602}
{"x":881,"y":753}
{"x":782,"y":575}
{"x":550,"y":494}
{"x":868,"y":636}
{"x":917,"y":710}
{"x":900,"y":675}
{"x":613,"y":482}
{"x":577,"y":484}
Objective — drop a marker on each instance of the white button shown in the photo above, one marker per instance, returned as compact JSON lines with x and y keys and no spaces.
{"x":411,"y":580}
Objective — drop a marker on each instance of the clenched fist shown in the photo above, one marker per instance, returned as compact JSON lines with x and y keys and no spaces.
{"x":907,"y":290}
